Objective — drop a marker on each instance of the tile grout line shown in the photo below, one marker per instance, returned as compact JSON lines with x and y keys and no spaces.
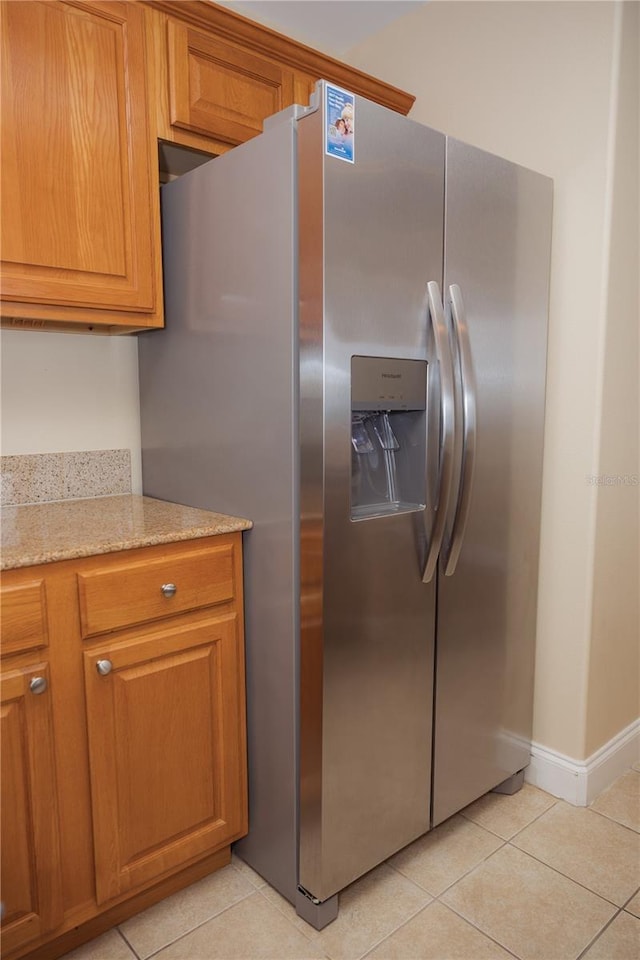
{"x":248,"y":879}
{"x":480,"y":930}
{"x":565,"y":876}
{"x":436,"y":896}
{"x":395,"y":930}
{"x":626,"y":904}
{"x":386,"y":936}
{"x":556,"y":801}
{"x":606,"y":816}
{"x":314,"y":939}
{"x":503,"y":843}
{"x":134,"y":952}
{"x":196,"y":926}
{"x":506,"y":843}
{"x":598,"y":935}
{"x":301,"y":930}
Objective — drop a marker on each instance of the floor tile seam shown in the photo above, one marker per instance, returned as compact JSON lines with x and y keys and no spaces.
{"x":556,"y":800}
{"x":436,"y":896}
{"x":631,"y":831}
{"x":395,"y":929}
{"x":565,"y":876}
{"x":248,"y":879}
{"x":598,"y":935}
{"x":433,"y":896}
{"x":197,"y":926}
{"x":311,"y":937}
{"x":606,"y":816}
{"x":555,"y":803}
{"x":481,"y":930}
{"x":626,"y":904}
{"x":315,"y":935}
{"x":131,"y":947}
{"x":476,"y":824}
{"x":414,"y":883}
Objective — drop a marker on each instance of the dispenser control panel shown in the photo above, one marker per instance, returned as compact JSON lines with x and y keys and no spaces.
{"x":384,"y":383}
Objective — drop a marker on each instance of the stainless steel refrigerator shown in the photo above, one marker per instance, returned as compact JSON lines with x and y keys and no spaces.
{"x":354,"y":358}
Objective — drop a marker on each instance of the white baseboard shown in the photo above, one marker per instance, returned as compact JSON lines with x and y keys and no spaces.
{"x":580,"y":781}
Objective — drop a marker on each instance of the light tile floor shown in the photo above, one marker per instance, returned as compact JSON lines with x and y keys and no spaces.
{"x":526,"y":876}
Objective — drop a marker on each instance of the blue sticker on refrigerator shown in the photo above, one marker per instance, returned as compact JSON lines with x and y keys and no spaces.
{"x":339,"y":111}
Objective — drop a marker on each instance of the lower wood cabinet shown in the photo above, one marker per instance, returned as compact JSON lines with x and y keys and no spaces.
{"x":164,"y":715}
{"x":123,"y":749}
{"x":31,"y":876}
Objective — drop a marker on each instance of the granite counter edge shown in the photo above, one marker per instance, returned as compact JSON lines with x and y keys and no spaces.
{"x":27,"y":559}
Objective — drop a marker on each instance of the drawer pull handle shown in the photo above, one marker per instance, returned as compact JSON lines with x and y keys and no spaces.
{"x":104,"y":667}
{"x":38,"y":685}
{"x":168,"y":589}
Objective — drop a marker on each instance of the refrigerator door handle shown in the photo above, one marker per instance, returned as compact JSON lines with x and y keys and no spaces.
{"x":447,"y":427}
{"x":453,"y":546}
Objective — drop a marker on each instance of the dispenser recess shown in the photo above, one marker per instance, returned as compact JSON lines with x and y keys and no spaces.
{"x":388,"y":436}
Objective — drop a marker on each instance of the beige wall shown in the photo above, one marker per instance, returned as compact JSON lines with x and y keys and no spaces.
{"x":64,"y":392}
{"x":533,"y":82}
{"x":613,"y":699}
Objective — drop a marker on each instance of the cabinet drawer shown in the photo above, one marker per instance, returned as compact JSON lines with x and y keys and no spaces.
{"x":137,"y":591}
{"x":23,"y":614}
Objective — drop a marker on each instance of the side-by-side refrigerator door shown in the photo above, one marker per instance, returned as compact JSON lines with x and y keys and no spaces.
{"x":370,"y":235}
{"x":496,"y":288}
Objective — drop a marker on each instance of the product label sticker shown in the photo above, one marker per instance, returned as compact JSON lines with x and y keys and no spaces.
{"x":339,"y":111}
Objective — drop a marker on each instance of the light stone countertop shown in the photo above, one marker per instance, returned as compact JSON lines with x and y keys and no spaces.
{"x":65,"y":530}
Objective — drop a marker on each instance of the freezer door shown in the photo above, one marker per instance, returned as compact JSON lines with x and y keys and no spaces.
{"x":370,"y":241}
{"x":498,"y":237}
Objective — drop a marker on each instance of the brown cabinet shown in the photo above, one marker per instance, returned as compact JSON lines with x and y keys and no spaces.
{"x":123,"y":734}
{"x":31,"y":875}
{"x":165,"y":717}
{"x":219,"y":90}
{"x":80,"y":223}
{"x":217,"y":75}
{"x":88,"y":88}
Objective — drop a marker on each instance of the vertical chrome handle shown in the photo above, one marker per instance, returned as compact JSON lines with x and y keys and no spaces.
{"x":38,"y":685}
{"x":452,"y":548}
{"x":447,"y":426}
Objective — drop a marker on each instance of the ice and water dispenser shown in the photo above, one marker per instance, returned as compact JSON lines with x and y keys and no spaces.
{"x":388,"y":436}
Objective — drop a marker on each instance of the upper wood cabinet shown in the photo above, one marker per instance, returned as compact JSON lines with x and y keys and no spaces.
{"x":218,"y":75}
{"x":221,"y":91}
{"x":80,"y":225}
{"x":88,"y":88}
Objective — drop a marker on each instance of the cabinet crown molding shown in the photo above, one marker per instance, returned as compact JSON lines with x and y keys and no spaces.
{"x":232,"y":26}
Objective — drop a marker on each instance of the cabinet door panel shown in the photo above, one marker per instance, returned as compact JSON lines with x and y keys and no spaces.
{"x":220,"y":90}
{"x":167,"y":750}
{"x":77,"y":204}
{"x":31,"y":876}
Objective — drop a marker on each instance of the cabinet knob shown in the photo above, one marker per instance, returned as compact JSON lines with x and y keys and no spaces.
{"x":168,"y":589}
{"x":38,"y":685}
{"x":104,"y":667}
